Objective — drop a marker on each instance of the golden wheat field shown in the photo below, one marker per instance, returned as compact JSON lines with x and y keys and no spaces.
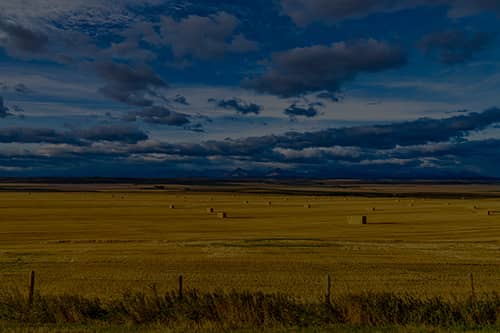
{"x":107,"y":240}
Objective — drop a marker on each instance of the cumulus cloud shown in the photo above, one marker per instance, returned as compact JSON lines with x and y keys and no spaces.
{"x":325,"y":68}
{"x":237,"y":105}
{"x":455,"y":47}
{"x":136,"y":87}
{"x":19,"y":40}
{"x":202,"y":37}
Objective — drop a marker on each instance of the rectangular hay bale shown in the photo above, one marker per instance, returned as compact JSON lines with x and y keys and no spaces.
{"x":357,"y":220}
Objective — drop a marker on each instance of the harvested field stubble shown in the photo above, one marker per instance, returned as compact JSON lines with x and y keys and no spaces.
{"x":95,"y":245}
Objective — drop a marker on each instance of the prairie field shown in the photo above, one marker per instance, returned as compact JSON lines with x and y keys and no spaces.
{"x":110,"y":240}
{"x":103,"y":242}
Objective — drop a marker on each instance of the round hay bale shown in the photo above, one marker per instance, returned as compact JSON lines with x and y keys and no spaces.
{"x":222,"y":215}
{"x":307,"y":206}
{"x":171,"y":206}
{"x":210,"y":210}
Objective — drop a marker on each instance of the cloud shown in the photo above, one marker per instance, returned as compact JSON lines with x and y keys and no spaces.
{"x":135,"y":87}
{"x":159,"y":115}
{"x":17,"y":108}
{"x":304,"y":12}
{"x":19,"y":40}
{"x":419,"y":148}
{"x":460,"y":8}
{"x":4,"y":111}
{"x":75,"y":136}
{"x":35,"y":135}
{"x":325,"y":68}
{"x":21,"y":88}
{"x":113,"y":133}
{"x":295,"y":110}
{"x":89,"y":13}
{"x":179,"y":99}
{"x":417,"y":132}
{"x":205,"y":38}
{"x":455,"y":47}
{"x":237,"y":105}
{"x":329,"y":96}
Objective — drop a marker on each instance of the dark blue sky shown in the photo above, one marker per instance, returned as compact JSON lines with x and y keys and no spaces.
{"x":214,"y":88}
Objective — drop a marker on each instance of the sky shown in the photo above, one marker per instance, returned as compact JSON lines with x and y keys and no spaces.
{"x":265,"y":88}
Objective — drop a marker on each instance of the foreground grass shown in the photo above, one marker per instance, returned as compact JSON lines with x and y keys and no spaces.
{"x":254,"y":312}
{"x":10,"y":328}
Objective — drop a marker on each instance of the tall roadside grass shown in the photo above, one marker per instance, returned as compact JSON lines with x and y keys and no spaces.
{"x":240,"y":310}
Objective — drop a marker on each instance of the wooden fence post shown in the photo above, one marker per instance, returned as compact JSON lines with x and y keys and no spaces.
{"x":473,"y":291}
{"x":328,"y":297}
{"x":180,"y":287}
{"x":32,"y":288}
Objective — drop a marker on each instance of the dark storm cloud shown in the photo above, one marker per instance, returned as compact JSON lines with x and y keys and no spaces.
{"x":76,"y":136}
{"x":113,"y":133}
{"x":35,"y":135}
{"x":135,"y":87}
{"x":306,"y":11}
{"x":205,"y":37}
{"x":388,"y":136}
{"x":325,"y":68}
{"x":417,"y":132}
{"x":237,"y":105}
{"x":424,"y":147}
{"x":4,"y":111}
{"x":21,"y":40}
{"x":295,"y":110}
{"x":455,"y":47}
{"x":159,"y":115}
